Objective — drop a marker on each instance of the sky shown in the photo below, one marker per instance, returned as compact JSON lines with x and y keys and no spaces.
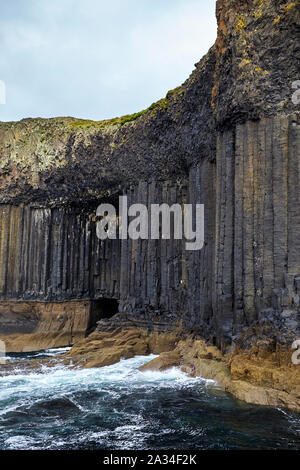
{"x":97,"y":59}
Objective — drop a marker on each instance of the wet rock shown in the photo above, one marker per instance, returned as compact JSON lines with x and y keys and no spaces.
{"x":108,"y":347}
{"x":165,"y":361}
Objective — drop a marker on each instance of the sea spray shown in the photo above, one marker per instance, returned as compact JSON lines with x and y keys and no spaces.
{"x":120,"y":407}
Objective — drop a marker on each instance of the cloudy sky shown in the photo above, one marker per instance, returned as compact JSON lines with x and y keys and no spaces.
{"x":98,"y":59}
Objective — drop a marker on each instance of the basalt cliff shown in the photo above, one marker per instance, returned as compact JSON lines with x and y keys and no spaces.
{"x":228,"y":138}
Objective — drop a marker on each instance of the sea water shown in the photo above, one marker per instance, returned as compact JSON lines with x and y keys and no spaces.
{"x":119,"y":407}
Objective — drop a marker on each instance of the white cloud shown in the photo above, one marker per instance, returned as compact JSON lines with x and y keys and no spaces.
{"x":97,"y":59}
{"x":175,"y":39}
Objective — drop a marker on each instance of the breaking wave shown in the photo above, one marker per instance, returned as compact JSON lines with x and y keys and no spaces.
{"x":119,"y":407}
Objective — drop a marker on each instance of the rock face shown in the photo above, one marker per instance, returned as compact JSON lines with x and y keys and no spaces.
{"x":105,"y":348}
{"x":30,"y":326}
{"x":258,"y":376}
{"x":228,"y":138}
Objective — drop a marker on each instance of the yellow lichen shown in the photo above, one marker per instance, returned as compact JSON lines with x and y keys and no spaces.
{"x":240,"y":24}
{"x":260,"y":70}
{"x":290,"y":6}
{"x":244,"y":62}
{"x":258,"y":13}
{"x":276,"y":21}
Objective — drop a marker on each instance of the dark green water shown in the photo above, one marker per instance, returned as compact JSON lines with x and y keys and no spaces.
{"x":118,"y":407}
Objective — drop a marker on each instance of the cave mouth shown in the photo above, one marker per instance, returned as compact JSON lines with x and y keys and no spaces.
{"x":100,"y":309}
{"x":105,"y":307}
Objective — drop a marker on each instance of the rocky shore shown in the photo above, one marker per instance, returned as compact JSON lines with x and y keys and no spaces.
{"x":262,"y":374}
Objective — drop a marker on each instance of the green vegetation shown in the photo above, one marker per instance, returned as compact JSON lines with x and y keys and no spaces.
{"x":161,"y":105}
{"x":131,"y":117}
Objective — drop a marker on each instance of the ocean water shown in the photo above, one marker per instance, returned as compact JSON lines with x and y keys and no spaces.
{"x":118,"y":407}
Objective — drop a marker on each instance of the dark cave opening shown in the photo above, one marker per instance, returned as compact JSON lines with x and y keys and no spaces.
{"x":105,"y":308}
{"x":101,"y":309}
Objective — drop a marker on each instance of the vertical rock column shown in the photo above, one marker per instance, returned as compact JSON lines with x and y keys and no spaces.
{"x":223,"y":267}
{"x":257,"y":222}
{"x":202,"y":190}
{"x":154,"y":272}
{"x":54,"y":255}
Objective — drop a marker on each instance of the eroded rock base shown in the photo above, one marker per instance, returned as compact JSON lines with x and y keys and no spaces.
{"x":32,"y":326}
{"x":261,"y":373}
{"x":264,"y":374}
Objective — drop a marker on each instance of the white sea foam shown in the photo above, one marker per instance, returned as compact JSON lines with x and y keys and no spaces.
{"x":24,"y":390}
{"x":114,"y":404}
{"x":62,"y":378}
{"x":60,"y":381}
{"x":52,"y":352}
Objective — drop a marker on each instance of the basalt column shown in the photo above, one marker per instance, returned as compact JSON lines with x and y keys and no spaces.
{"x":53,"y":268}
{"x":257,"y":265}
{"x":228,"y":138}
{"x":54,"y":255}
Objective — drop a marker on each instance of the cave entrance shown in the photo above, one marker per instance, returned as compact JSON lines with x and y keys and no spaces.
{"x":105,"y":308}
{"x":100,"y":309}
